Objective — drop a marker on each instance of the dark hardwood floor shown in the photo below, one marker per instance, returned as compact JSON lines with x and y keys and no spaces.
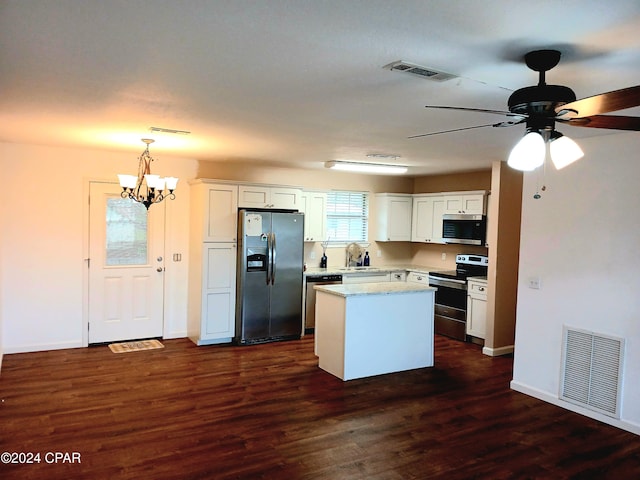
{"x":268,"y":411}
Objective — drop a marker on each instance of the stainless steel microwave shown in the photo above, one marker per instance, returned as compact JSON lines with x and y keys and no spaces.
{"x":467,"y":229}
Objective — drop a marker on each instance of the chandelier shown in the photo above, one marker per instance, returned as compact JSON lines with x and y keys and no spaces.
{"x":146,"y":188}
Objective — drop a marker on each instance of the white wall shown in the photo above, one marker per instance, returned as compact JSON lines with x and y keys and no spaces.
{"x":581,"y":239}
{"x":44,"y":227}
{"x":2,"y":208}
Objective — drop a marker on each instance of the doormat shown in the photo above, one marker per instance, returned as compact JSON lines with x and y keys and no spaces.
{"x":137,"y":346}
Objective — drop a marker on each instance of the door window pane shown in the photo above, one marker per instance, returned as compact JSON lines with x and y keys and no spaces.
{"x":127,"y":232}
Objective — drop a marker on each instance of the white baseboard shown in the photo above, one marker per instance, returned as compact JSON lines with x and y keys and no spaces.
{"x":41,"y":347}
{"x":170,"y":335}
{"x":554,"y":400}
{"x":496,"y":352}
{"x":218,"y":341}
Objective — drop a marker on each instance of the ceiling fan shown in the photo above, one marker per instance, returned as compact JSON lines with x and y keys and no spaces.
{"x":541,"y":106}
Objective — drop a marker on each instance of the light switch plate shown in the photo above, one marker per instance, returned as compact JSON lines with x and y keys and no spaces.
{"x":534,"y":282}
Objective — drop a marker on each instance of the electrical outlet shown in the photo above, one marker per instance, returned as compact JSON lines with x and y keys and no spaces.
{"x":312,"y":256}
{"x":444,"y":256}
{"x":379,"y":254}
{"x":534,"y":282}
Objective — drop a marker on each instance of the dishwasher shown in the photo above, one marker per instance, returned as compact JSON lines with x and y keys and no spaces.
{"x":310,"y":297}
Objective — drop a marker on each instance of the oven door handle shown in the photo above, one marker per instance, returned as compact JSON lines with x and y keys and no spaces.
{"x":449,"y":282}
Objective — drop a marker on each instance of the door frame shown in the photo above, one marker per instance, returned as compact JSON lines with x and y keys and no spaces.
{"x":86,"y":197}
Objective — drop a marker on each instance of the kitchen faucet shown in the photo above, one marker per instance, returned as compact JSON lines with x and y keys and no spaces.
{"x":353,"y":255}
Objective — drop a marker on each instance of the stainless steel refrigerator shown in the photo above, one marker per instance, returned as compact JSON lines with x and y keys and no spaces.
{"x":269,"y":276}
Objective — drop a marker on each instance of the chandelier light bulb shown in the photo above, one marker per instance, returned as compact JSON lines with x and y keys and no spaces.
{"x":127,"y":181}
{"x":152,"y":180}
{"x":528,"y":154}
{"x":171,"y":182}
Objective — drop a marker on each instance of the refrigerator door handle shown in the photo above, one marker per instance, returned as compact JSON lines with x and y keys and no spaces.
{"x":269,"y":262}
{"x":274,"y":253}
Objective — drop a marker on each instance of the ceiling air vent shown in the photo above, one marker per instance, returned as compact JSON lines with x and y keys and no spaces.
{"x":424,"y":72}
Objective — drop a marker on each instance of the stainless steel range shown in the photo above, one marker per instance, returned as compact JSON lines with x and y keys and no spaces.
{"x":451,"y":298}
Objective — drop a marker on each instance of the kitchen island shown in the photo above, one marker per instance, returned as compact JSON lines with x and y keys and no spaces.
{"x":373,"y":328}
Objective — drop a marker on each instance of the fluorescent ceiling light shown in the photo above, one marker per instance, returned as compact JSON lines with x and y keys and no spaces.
{"x":366,"y":167}
{"x":168,"y":130}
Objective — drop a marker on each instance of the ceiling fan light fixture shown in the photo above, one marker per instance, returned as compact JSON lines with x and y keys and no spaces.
{"x":563,"y":150}
{"x":528,"y":154}
{"x":380,"y":168}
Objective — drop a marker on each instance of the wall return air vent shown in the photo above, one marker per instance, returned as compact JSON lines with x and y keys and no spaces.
{"x":424,"y":72}
{"x":592,"y":366}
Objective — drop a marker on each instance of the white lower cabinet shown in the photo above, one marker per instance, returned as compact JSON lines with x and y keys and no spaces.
{"x":399,"y":276}
{"x":418,"y":277}
{"x":477,"y":308}
{"x":212,"y":300}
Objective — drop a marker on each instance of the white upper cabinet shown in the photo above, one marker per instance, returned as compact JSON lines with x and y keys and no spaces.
{"x":393,"y":217}
{"x":465,"y":203}
{"x":314,"y":206}
{"x":261,"y":196}
{"x":214,"y":211}
{"x":426,"y":224}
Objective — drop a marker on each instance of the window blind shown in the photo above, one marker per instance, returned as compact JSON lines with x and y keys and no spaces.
{"x":347,"y":216}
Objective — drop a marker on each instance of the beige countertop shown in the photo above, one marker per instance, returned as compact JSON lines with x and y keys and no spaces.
{"x":381,"y":268}
{"x":379,"y":288}
{"x":477,"y":279}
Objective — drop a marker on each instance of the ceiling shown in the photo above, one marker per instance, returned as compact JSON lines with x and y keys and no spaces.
{"x":298,"y":82}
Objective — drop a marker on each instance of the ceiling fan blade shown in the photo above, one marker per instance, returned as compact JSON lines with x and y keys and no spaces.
{"x":499,"y":124}
{"x":603,"y":103}
{"x":613,"y":122}
{"x":478,"y":110}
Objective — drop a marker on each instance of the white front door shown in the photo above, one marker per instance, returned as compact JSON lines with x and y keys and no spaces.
{"x":126,"y":266}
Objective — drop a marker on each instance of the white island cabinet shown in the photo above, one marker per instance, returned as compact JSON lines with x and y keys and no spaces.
{"x":374,"y":328}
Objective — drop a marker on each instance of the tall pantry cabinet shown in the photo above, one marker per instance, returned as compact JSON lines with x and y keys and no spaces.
{"x":212,"y":262}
